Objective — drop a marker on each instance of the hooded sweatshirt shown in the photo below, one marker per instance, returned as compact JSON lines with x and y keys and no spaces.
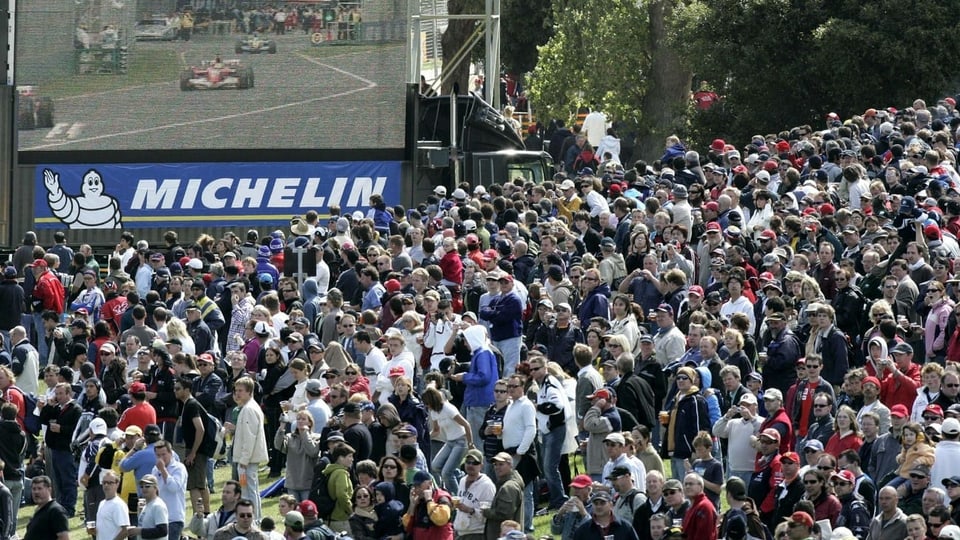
{"x":388,"y":512}
{"x":482,"y":377}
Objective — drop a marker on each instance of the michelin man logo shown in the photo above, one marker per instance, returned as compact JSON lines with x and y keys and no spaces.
{"x":93,"y":209}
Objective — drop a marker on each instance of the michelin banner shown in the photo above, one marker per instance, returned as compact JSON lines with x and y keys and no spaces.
{"x":194,"y":194}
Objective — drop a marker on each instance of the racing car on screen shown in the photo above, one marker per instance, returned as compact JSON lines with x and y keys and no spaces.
{"x":154,"y":28}
{"x":33,"y":110}
{"x":255,"y":44}
{"x":217,"y":75}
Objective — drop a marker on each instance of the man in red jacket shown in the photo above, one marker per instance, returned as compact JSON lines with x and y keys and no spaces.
{"x":48,"y":293}
{"x":778,"y":419}
{"x":700,"y":521}
{"x":899,"y":378}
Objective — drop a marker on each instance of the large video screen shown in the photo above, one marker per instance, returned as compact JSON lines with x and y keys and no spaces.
{"x":210,"y":74}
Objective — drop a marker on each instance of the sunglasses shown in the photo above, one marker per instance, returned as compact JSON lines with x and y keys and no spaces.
{"x":472,"y":462}
{"x":388,"y":466}
{"x":683,"y":378}
{"x":350,"y":372}
{"x":824,"y":468}
{"x":670,"y":491}
{"x":245,"y":515}
{"x":499,"y":391}
{"x":917,"y":476}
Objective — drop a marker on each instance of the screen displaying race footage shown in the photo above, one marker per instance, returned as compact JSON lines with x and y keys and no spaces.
{"x":215,"y":74}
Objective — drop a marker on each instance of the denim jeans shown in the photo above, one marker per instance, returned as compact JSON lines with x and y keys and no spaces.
{"x":252,"y":490}
{"x":743,"y":475}
{"x":16,"y":490}
{"x":174,"y":530}
{"x":510,"y":349}
{"x":528,"y":506}
{"x":43,"y":350}
{"x":446,"y":463}
{"x":66,"y":480}
{"x":676,"y":464}
{"x":475,"y":416}
{"x":552,"y":451}
{"x":299,"y":494}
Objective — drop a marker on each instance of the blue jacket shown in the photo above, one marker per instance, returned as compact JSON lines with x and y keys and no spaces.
{"x":596,"y":304}
{"x":783,"y":351}
{"x":505,"y":314}
{"x":692,"y":417}
{"x":140,"y":462}
{"x":481,"y":379}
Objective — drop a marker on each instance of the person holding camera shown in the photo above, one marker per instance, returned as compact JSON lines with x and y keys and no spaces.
{"x":738,"y":426}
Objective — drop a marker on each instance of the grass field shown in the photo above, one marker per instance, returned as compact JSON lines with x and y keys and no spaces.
{"x":146,"y":67}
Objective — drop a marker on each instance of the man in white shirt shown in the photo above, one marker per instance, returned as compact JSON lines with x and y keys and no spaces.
{"x":172,"y":484}
{"x":112,"y":516}
{"x":475,"y":489}
{"x":519,"y":434}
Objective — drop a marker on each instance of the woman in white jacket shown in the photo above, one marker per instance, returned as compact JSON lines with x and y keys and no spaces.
{"x":763,"y":211}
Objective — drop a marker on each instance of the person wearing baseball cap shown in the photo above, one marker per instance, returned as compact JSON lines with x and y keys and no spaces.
{"x":503,"y":314}
{"x":800,"y":525}
{"x":604,"y":522}
{"x":854,"y":514}
{"x":738,"y":425}
{"x":508,"y":499}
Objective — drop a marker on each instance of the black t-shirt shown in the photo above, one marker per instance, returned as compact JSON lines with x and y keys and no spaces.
{"x":191,"y":409}
{"x":47,"y":522}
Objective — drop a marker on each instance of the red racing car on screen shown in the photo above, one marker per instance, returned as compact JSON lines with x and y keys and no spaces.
{"x":217,"y":75}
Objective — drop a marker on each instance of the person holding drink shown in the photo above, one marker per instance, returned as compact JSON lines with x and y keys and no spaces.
{"x":475,"y":489}
{"x":152,"y":512}
{"x":112,"y":520}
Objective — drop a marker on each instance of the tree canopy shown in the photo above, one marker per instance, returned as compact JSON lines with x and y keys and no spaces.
{"x":597,"y":55}
{"x":780,"y":63}
{"x":775,"y":63}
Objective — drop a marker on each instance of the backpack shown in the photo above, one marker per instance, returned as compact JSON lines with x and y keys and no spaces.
{"x":320,"y":492}
{"x":31,"y":422}
{"x":212,"y":435}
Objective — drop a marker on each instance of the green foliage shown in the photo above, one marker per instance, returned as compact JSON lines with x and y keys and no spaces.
{"x":780,"y":63}
{"x":525,"y":25}
{"x":596,"y":55}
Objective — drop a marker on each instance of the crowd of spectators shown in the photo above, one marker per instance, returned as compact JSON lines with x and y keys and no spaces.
{"x":772,"y":327}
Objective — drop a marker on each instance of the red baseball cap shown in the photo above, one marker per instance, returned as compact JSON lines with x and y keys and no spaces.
{"x":872,"y":380}
{"x":601,"y":393}
{"x":790,"y":456}
{"x":803,"y":518}
{"x":697,"y":290}
{"x":138,"y":388}
{"x":934,"y":409}
{"x":844,"y":475}
{"x":581,"y":481}
{"x":714,"y":226}
{"x":899,"y":410}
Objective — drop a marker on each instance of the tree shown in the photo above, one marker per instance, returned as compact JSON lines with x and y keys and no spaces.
{"x":596,"y":56}
{"x":781,"y":63}
{"x":667,"y":98}
{"x":454,"y":37}
{"x":525,"y":25}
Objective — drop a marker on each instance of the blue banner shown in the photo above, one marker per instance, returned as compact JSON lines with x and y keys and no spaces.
{"x":196,"y":194}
